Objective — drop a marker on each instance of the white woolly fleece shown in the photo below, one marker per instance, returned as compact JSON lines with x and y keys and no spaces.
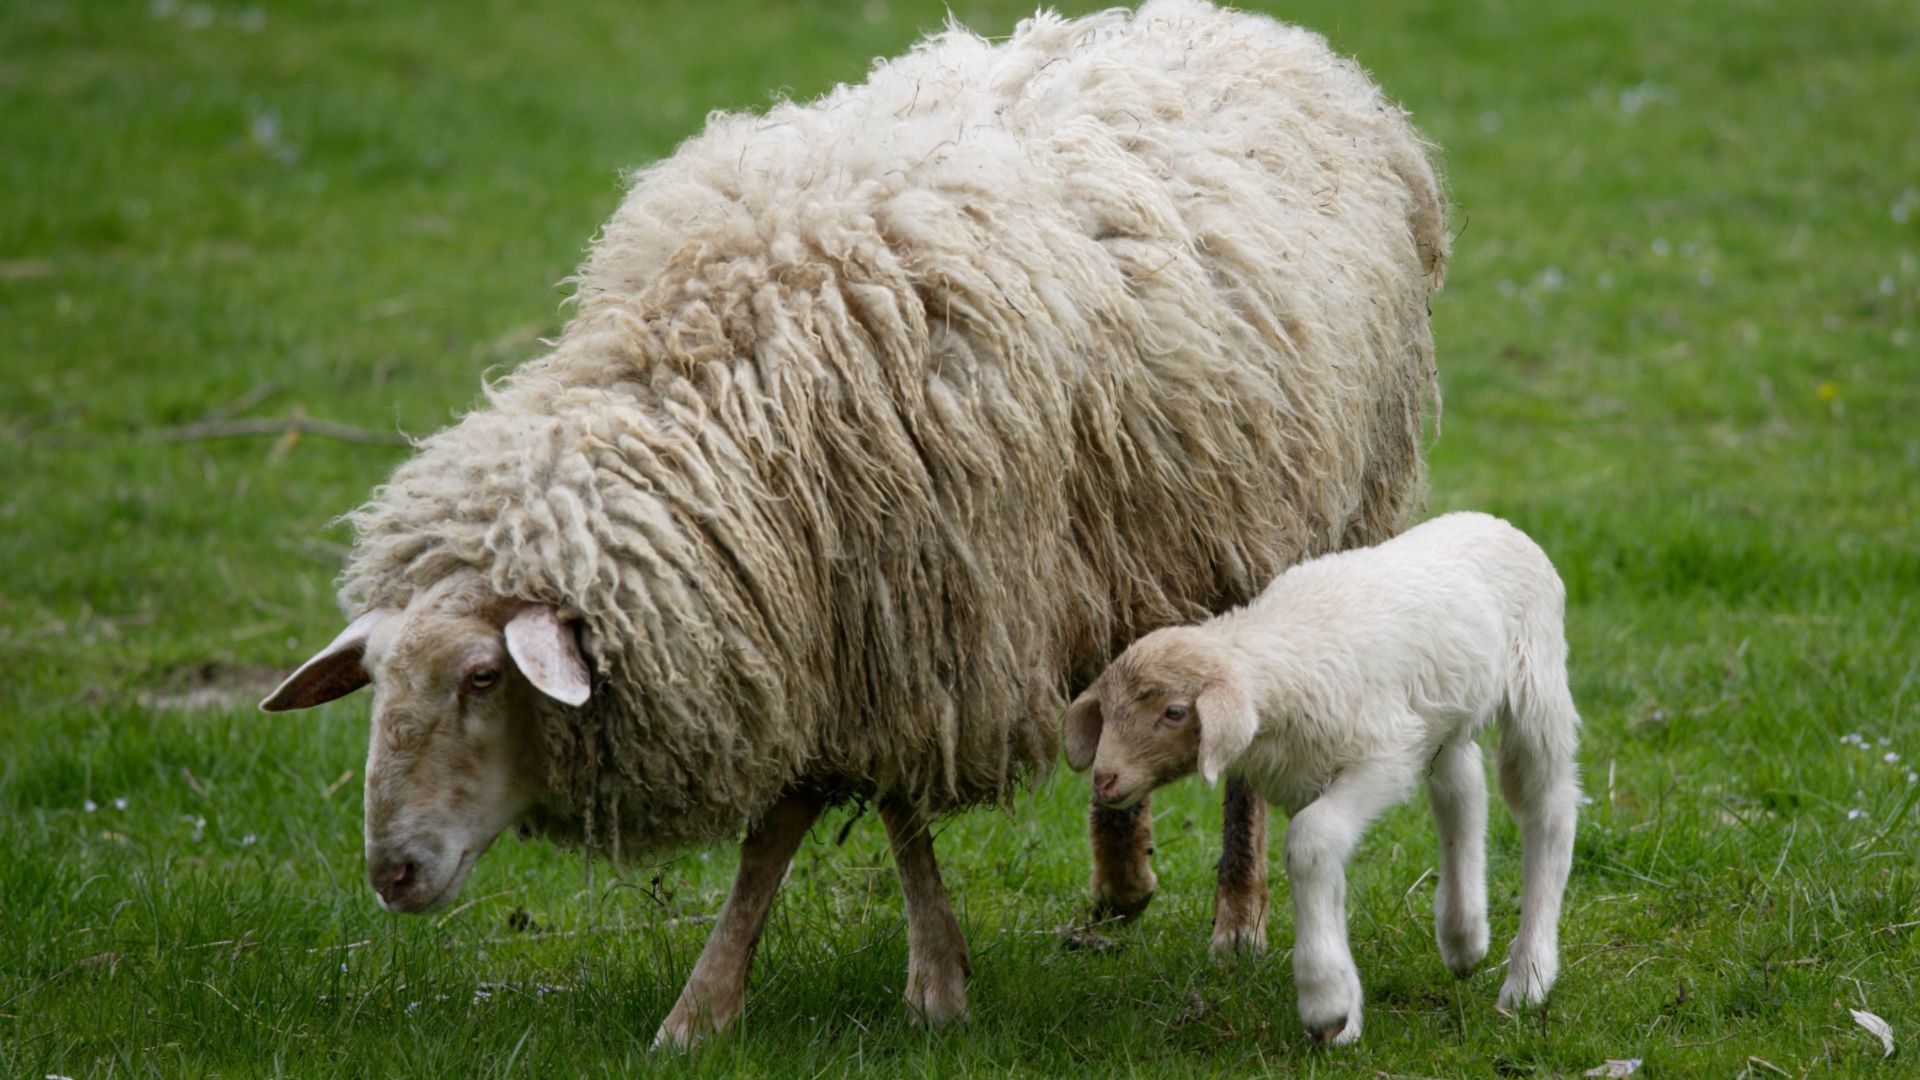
{"x":886,"y":417}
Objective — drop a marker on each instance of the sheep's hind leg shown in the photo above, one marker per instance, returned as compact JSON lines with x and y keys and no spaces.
{"x":1457,"y":790}
{"x":937,"y":962}
{"x":1123,"y":880}
{"x":1240,"y":898}
{"x":718,"y":986}
{"x":1320,"y":839}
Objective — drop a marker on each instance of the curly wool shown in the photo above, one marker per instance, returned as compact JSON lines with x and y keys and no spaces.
{"x":885,"y":419}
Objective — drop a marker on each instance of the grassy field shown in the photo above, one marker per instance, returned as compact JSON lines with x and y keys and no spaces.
{"x":1679,"y":346}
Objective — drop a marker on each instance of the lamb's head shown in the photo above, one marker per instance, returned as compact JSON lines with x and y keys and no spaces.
{"x":1169,"y":705}
{"x":453,"y":759}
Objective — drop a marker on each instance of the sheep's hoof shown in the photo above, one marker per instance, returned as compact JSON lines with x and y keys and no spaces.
{"x":938,"y":1009}
{"x":1111,"y":909}
{"x":673,"y":1039}
{"x":1229,"y":942}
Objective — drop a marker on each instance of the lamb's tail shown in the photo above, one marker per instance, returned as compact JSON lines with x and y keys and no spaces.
{"x":1539,"y":732}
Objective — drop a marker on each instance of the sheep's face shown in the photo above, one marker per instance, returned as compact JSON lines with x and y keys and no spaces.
{"x":1167,"y":707}
{"x":453,"y":759}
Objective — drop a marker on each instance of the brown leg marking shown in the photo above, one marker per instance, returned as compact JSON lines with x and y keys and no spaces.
{"x":1123,"y":880}
{"x":718,"y":986}
{"x":1240,"y":899}
{"x":937,"y":960}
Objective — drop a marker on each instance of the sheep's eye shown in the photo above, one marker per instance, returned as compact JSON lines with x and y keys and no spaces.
{"x":482,"y":681}
{"x":1175,"y":714}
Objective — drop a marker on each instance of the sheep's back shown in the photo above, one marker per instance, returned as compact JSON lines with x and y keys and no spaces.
{"x":942,"y":388}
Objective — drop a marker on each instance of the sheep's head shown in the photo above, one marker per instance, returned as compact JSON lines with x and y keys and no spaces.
{"x":453,"y":759}
{"x":1168,"y":706}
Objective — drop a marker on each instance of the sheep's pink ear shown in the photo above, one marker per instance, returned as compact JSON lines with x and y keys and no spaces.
{"x":545,"y":650}
{"x":1083,"y":722}
{"x":334,"y":671}
{"x":1227,"y":725}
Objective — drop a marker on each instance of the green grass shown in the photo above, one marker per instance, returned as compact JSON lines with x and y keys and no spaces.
{"x":1679,"y":346}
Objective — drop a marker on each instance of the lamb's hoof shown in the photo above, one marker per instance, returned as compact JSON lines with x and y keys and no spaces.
{"x":1528,"y":982}
{"x":1120,"y":909}
{"x":1335,"y":1034}
{"x":1330,"y":1008}
{"x":1463,"y":950}
{"x":1521,"y":993}
{"x":1229,"y":942}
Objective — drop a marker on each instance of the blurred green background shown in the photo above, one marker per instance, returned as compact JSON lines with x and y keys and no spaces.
{"x":1678,"y":345}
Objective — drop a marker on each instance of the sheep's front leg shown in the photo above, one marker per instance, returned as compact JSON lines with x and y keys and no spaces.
{"x":1457,"y":789}
{"x":718,"y":986}
{"x":937,"y":960}
{"x":1320,"y":838}
{"x":1240,"y":897}
{"x":1123,"y":880}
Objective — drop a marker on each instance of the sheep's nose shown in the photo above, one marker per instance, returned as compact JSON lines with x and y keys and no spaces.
{"x":392,"y":880}
{"x":1103,"y":783}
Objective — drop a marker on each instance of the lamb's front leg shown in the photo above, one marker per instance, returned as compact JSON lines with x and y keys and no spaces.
{"x":1240,"y":897}
{"x":1320,"y":838}
{"x":718,"y":986}
{"x":1123,"y":880}
{"x":937,"y":960}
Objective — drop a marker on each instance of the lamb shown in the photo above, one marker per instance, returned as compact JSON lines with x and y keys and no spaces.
{"x":1330,"y":694}
{"x":883,"y":422}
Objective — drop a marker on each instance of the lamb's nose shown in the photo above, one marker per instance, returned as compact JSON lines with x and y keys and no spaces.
{"x":1103,"y":783}
{"x":391,"y":881}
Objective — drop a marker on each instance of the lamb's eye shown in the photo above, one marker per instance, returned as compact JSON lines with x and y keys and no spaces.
{"x":483,"y":680}
{"x":1175,"y":714}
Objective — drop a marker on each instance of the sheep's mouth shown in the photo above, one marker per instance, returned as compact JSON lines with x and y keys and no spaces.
{"x":447,"y":891}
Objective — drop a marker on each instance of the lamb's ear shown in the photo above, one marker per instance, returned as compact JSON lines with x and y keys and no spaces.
{"x":545,"y":650}
{"x":1083,"y":722}
{"x":334,"y":671}
{"x":1227,"y":725}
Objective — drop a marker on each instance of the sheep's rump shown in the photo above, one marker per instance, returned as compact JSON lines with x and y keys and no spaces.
{"x":886,"y":418}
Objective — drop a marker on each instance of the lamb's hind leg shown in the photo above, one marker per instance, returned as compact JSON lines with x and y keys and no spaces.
{"x":718,"y":986}
{"x":1543,"y":794}
{"x":1457,"y":789}
{"x":937,"y":960}
{"x":1123,"y":880}
{"x":1240,"y":897}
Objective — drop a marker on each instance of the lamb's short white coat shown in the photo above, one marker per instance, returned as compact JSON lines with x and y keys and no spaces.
{"x":1353,"y":675}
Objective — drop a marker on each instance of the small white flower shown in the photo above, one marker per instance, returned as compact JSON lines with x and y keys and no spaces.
{"x":120,"y":803}
{"x":343,"y":966}
{"x":1884,"y":741}
{"x":1856,"y":814}
{"x":91,"y":806}
{"x":1890,"y":757}
{"x":249,"y":840}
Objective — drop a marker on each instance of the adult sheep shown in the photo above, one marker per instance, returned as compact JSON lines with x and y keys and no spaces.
{"x":883,"y":421}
